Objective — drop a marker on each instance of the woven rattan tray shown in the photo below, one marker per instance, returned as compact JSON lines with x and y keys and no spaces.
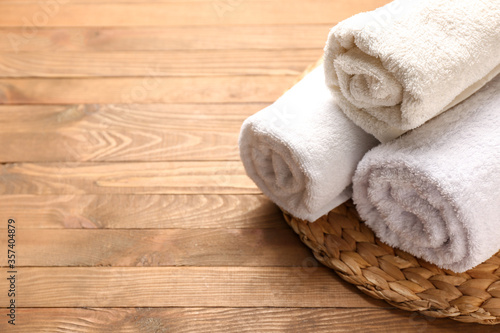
{"x":341,"y":241}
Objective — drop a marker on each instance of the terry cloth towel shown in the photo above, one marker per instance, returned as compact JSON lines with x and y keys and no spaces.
{"x":302,"y":150}
{"x":398,"y":66}
{"x":435,"y":192}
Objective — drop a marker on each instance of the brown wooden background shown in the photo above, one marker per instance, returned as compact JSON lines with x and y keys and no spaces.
{"x":118,"y":148}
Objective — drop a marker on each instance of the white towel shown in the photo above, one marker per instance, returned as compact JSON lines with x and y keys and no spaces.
{"x":398,"y":66}
{"x":435,"y":192}
{"x":302,"y":151}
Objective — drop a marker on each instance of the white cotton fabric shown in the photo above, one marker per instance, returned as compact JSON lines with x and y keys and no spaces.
{"x":394,"y":68}
{"x":302,"y":150}
{"x":435,"y":191}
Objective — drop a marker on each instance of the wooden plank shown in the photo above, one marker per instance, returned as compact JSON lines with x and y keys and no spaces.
{"x":158,"y":64}
{"x":184,"y":286}
{"x":144,"y":90}
{"x":111,"y":132}
{"x":190,"y":177}
{"x":200,"y":13}
{"x":228,"y":320}
{"x":118,"y":39}
{"x":131,"y":211}
{"x":159,"y":247}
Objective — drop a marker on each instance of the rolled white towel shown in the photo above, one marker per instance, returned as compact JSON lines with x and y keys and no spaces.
{"x":404,"y":63}
{"x":435,"y":192}
{"x":302,"y":151}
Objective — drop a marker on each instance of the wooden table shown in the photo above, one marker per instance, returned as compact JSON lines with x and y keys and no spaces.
{"x":119,"y":122}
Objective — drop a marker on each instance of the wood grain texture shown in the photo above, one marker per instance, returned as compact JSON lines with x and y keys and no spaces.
{"x":119,"y":39}
{"x":180,"y":13}
{"x":119,"y":122}
{"x":184,"y":286}
{"x":148,"y":89}
{"x":122,"y":132}
{"x":157,"y":64}
{"x":133,"y":211}
{"x":190,"y":177}
{"x":163,"y":247}
{"x":229,"y":320}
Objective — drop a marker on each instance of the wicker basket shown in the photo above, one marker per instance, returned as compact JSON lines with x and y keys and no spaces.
{"x":341,"y":241}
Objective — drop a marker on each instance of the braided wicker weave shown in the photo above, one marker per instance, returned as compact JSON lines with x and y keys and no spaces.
{"x":341,"y":241}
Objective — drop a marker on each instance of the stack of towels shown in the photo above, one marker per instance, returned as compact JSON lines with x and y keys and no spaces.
{"x":404,"y":116}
